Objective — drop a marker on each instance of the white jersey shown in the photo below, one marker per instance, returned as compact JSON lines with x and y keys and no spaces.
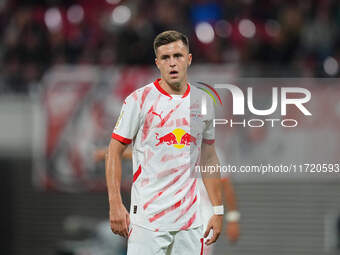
{"x":167,"y":132}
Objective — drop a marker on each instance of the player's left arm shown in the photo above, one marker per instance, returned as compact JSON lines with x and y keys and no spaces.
{"x":213,"y":185}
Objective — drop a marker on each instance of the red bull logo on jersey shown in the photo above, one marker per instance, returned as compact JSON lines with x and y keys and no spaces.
{"x":177,"y":138}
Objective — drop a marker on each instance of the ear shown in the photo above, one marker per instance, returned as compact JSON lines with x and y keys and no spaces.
{"x":189,"y":59}
{"x":156,"y":62}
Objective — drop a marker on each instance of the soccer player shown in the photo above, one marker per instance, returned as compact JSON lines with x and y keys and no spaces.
{"x":170,"y":137}
{"x":232,"y":218}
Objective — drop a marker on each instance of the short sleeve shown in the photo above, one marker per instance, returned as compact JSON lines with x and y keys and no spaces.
{"x":128,"y":121}
{"x":209,"y":131}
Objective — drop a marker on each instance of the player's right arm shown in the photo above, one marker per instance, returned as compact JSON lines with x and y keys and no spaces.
{"x":99,"y":154}
{"x":124,"y":132}
{"x":119,"y":216}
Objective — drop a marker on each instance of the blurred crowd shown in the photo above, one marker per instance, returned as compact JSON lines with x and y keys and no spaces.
{"x":263,"y":37}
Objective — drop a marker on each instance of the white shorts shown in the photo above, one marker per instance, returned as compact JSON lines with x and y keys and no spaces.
{"x":143,"y":241}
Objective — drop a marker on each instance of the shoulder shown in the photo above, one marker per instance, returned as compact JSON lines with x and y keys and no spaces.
{"x":142,"y":97}
{"x":194,"y":90}
{"x":140,"y":92}
{"x":198,"y":93}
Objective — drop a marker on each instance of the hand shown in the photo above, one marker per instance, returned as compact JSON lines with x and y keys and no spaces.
{"x":119,"y":220}
{"x":215,"y":223}
{"x":232,"y":231}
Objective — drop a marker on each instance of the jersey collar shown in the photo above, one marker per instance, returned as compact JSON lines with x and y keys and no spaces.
{"x":160,"y":89}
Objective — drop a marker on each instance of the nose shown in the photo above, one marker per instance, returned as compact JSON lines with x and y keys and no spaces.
{"x":172,"y":62}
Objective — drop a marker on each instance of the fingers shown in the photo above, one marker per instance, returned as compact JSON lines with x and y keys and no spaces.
{"x":128,"y":220}
{"x":125,"y":231}
{"x":115,"y":227}
{"x":216,"y":227}
{"x":120,"y":221}
{"x":207,"y":231}
{"x":120,"y":228}
{"x":122,"y":231}
{"x":213,"y":238}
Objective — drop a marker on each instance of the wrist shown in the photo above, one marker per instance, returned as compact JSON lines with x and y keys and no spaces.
{"x":115,"y":201}
{"x":218,"y":210}
{"x":233,"y":216}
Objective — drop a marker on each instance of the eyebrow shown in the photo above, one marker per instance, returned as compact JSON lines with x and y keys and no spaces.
{"x":164,"y":56}
{"x":177,"y":54}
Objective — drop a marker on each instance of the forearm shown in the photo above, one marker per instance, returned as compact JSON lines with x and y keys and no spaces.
{"x":212,"y":180}
{"x":113,"y":174}
{"x":213,"y":187}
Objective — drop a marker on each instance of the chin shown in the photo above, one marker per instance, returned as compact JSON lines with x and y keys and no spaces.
{"x":176,"y":85}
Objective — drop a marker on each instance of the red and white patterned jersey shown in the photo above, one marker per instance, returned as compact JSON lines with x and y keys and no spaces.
{"x":167,"y":132}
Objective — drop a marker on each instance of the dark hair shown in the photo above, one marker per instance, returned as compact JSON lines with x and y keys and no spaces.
{"x":167,"y":37}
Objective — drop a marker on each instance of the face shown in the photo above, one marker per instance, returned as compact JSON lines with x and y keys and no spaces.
{"x":173,"y":60}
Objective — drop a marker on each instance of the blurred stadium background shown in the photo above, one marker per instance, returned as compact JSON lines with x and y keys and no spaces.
{"x":67,"y":65}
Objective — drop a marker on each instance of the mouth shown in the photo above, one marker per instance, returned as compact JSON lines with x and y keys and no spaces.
{"x":173,"y":73}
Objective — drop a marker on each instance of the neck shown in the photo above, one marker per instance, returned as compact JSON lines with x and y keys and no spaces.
{"x":172,"y":89}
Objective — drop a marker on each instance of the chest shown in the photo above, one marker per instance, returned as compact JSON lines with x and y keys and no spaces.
{"x":174,"y":121}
